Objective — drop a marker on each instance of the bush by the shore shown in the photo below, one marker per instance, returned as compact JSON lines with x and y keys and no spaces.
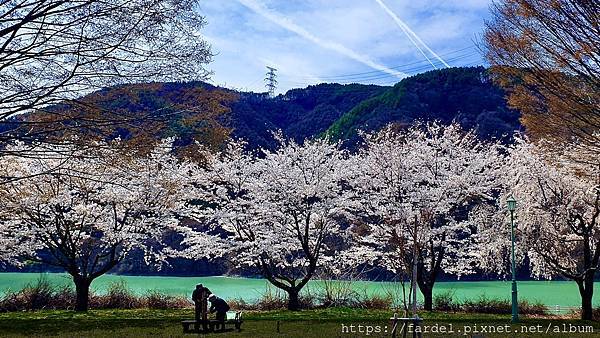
{"x":326,"y":294}
{"x":42,"y":295}
{"x":446,"y":302}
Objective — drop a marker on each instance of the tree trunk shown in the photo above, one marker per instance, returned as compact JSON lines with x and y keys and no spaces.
{"x":586,"y":307}
{"x":82,"y":291}
{"x":427,"y":298}
{"x":426,"y":277}
{"x":293,"y":299}
{"x":586,"y":290}
{"x":425,"y":284}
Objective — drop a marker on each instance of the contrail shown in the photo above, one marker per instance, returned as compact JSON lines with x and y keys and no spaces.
{"x":410,"y":32}
{"x":406,"y":32}
{"x":289,"y":25}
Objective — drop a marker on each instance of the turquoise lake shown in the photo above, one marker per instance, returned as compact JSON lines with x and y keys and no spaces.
{"x":550,"y":293}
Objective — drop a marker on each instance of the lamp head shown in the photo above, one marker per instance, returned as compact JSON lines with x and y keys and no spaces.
{"x":511,"y":203}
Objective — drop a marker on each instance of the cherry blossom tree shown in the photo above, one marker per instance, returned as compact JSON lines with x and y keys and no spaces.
{"x":557,"y":217}
{"x":417,"y":186}
{"x":85,"y":212}
{"x":277,"y":212}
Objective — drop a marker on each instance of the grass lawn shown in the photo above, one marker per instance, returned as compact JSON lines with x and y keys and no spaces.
{"x":314,"y":323}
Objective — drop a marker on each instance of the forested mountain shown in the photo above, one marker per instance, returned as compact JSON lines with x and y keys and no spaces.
{"x":464,"y":95}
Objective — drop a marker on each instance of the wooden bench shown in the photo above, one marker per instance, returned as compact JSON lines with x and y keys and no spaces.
{"x":191,"y":326}
{"x":196,"y":326}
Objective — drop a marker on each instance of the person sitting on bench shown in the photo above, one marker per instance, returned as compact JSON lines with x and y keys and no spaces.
{"x":219,"y":306}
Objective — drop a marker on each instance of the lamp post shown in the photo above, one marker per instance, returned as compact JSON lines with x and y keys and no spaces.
{"x":512,"y":205}
{"x":414,"y":271}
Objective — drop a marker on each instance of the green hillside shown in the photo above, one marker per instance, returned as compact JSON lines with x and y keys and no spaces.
{"x":464,"y":95}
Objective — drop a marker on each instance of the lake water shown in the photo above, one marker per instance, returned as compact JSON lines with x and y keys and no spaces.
{"x":552,"y":293}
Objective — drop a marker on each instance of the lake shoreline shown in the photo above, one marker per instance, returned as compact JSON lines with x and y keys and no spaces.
{"x":550,"y":293}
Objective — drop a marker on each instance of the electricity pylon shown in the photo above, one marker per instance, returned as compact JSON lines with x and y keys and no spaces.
{"x":271,"y":81}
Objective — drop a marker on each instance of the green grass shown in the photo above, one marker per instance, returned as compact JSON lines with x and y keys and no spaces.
{"x":313,"y":323}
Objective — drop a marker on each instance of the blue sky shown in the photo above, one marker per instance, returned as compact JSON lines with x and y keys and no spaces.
{"x":344,"y":41}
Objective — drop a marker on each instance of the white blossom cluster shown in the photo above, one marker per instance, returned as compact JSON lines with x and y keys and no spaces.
{"x":84,"y":210}
{"x":278,"y":211}
{"x":305,"y":206}
{"x":557,"y":216}
{"x":420,"y":183}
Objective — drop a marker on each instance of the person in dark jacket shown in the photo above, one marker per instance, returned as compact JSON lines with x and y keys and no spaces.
{"x":199,"y":297}
{"x":219,"y":306}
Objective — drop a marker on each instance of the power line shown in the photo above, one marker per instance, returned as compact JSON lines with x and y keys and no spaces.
{"x":381,"y":84}
{"x":413,"y":70}
{"x":361,"y":88}
{"x":316,"y":89}
{"x":369,"y":76}
{"x":356,"y":78}
{"x":399,"y":67}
